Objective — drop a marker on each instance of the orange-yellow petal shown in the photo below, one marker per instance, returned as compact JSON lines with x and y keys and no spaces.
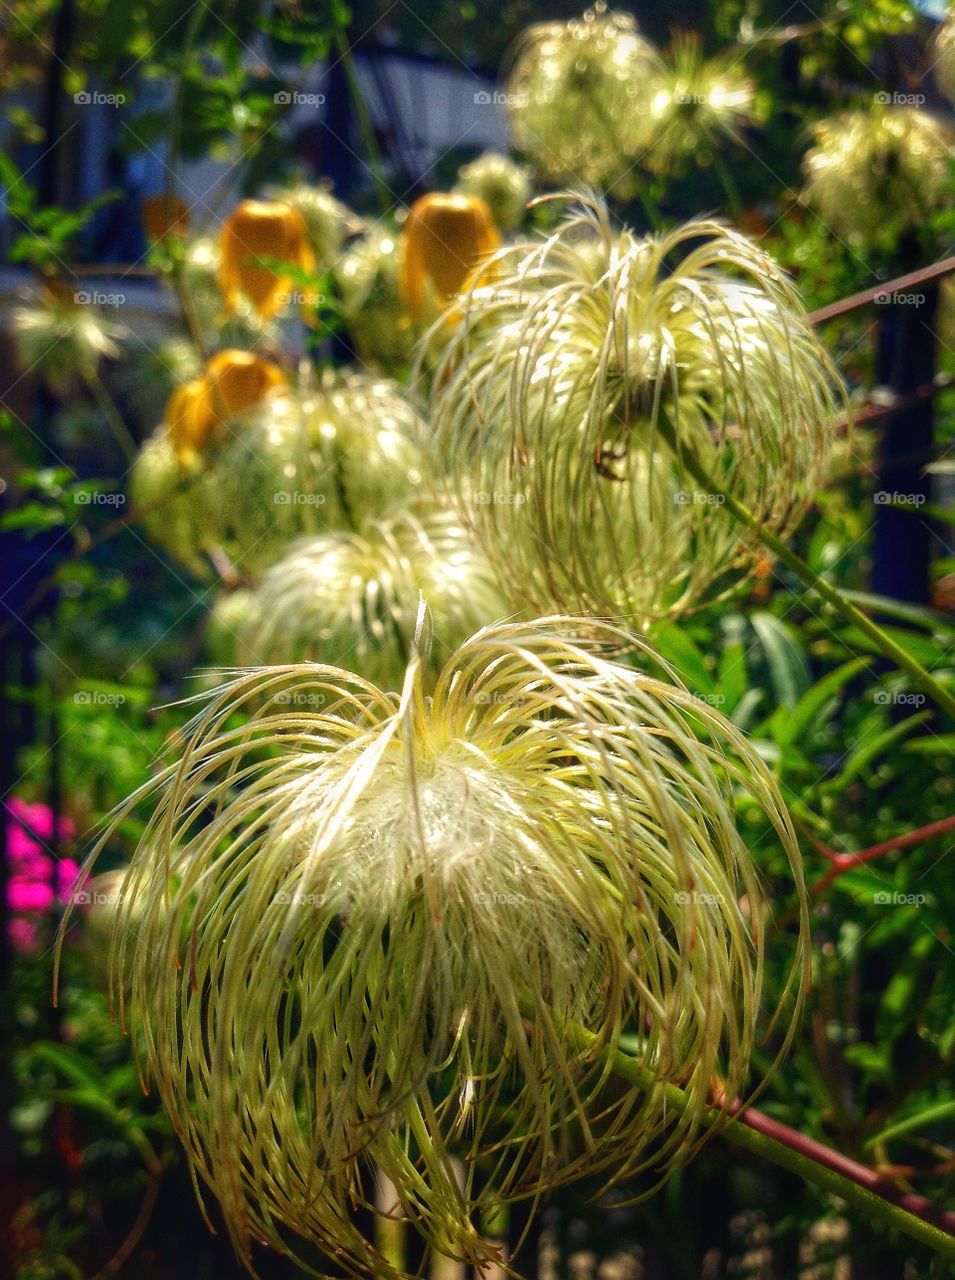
{"x":446,"y":237}
{"x":189,"y":418}
{"x":256,"y":230}
{"x":237,"y":380}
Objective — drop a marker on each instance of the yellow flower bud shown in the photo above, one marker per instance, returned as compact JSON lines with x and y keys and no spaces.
{"x":232,"y":381}
{"x":446,"y":237}
{"x":187,"y":418}
{"x":256,"y":230}
{"x":238,"y":380}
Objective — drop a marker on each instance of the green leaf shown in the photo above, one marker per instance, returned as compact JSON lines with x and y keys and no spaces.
{"x":869,"y":750}
{"x":809,"y":709}
{"x":676,"y":646}
{"x":787,"y":662}
{"x":930,"y":1115}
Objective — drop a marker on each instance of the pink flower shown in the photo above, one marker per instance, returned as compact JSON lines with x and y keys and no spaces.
{"x":28,"y":895}
{"x":34,"y":880}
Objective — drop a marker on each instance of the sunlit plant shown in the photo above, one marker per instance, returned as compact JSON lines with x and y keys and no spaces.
{"x":368,"y":279}
{"x":503,"y":185}
{"x":874,"y":175}
{"x":60,"y":336}
{"x":579,"y":382}
{"x":353,"y":598}
{"x":327,"y":221}
{"x":698,"y":104}
{"x":943,"y":55}
{"x":579,"y":95}
{"x":200,"y":410}
{"x":358,"y":921}
{"x":256,"y":237}
{"x":328,"y":454}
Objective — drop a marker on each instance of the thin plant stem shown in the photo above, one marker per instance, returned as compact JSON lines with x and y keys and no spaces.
{"x":727,"y":181}
{"x":106,"y":405}
{"x":782,"y":1146}
{"x":843,"y":862}
{"x":888,"y":647}
{"x":178,"y":266}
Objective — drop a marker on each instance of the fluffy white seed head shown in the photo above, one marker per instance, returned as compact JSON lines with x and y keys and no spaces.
{"x":874,"y":176}
{"x":578,"y":95}
{"x":360,"y":918}
{"x":367,"y":276}
{"x":333,"y":455}
{"x":352,"y":599}
{"x":503,"y":185}
{"x":556,"y":395}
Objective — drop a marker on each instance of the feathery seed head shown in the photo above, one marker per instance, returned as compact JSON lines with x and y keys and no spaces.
{"x":326,"y":219}
{"x":63,"y":337}
{"x":568,"y":395}
{"x":353,"y":599}
{"x":302,"y":460}
{"x":579,"y":95}
{"x":874,"y":175}
{"x":696,"y":103}
{"x":167,"y":493}
{"x":501,"y":183}
{"x":361,"y":918}
{"x":367,"y":276}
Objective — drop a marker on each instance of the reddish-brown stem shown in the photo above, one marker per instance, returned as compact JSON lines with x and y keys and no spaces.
{"x":843,"y":862}
{"x":860,"y":1174}
{"x":874,"y":293}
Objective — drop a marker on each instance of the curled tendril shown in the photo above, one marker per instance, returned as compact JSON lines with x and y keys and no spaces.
{"x":356,"y":920}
